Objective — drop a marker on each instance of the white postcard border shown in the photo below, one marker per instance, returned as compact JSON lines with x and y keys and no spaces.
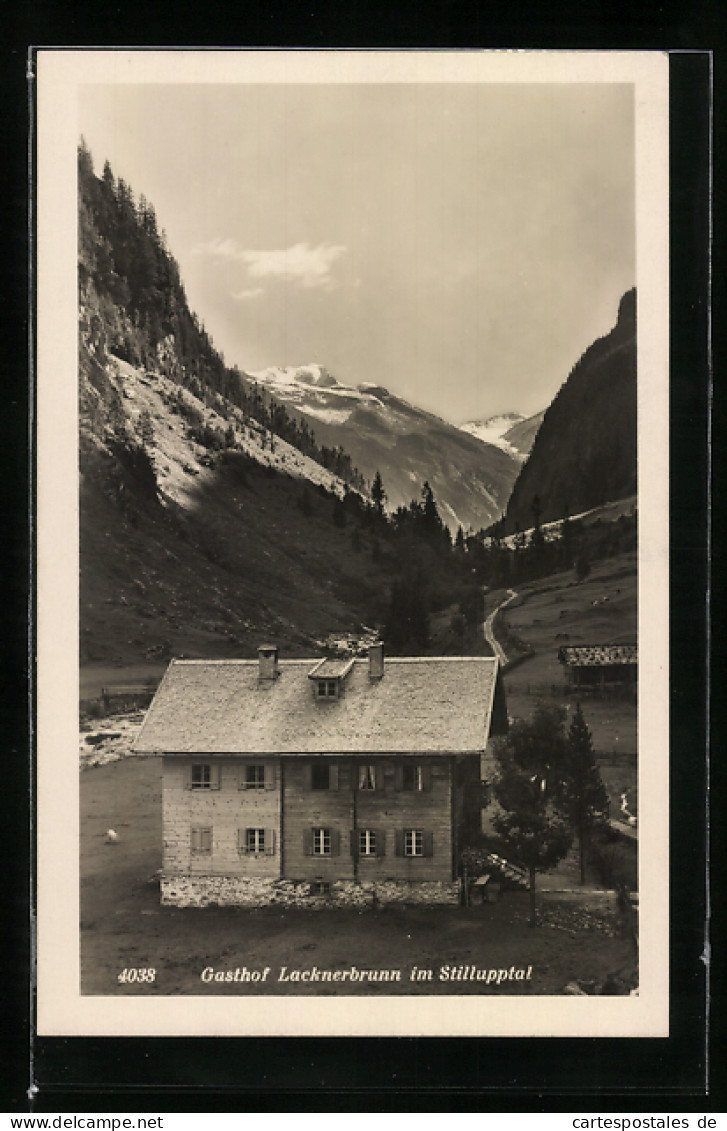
{"x":62,"y":1010}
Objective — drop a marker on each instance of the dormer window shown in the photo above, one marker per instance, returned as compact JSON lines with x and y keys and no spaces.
{"x":328,"y":677}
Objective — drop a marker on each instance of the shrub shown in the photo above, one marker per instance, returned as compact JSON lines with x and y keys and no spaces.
{"x":613,"y":860}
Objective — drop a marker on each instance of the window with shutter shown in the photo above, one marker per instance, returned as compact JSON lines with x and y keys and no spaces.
{"x":366,"y":776}
{"x":320,"y":777}
{"x":254,"y":841}
{"x":200,"y":775}
{"x":367,"y":839}
{"x":321,"y":841}
{"x":253,"y":777}
{"x":413,"y":842}
{"x":412,"y":777}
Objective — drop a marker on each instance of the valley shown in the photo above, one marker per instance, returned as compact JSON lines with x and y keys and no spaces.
{"x":471,"y":474}
{"x":221,"y":508}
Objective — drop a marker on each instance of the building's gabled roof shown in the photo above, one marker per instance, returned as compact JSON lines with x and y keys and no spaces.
{"x":422,"y":705}
{"x":597,"y":655}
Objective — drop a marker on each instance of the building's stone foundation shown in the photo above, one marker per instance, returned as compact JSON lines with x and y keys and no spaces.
{"x":229,"y":891}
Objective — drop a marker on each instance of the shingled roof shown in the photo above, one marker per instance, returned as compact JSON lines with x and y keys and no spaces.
{"x":421,"y":705}
{"x":597,"y":655}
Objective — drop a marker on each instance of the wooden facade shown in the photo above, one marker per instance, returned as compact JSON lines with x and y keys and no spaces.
{"x":393,"y":819}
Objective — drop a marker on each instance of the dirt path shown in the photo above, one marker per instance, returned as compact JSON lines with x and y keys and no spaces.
{"x":488,"y":628}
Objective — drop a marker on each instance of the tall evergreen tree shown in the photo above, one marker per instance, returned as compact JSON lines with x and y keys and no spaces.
{"x":378,"y":494}
{"x":530,"y":763}
{"x":582,"y":796}
{"x":431,"y":522}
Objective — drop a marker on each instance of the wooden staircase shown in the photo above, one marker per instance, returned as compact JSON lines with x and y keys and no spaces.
{"x":512,"y":872}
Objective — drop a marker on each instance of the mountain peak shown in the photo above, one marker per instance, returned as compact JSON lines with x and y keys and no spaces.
{"x":585,"y":452}
{"x":311,"y":375}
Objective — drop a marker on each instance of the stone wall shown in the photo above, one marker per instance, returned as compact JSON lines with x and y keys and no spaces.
{"x":234,"y":891}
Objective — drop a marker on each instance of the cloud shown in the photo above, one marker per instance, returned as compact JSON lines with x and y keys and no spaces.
{"x":253,"y":292}
{"x":302,"y":264}
{"x":225,"y":249}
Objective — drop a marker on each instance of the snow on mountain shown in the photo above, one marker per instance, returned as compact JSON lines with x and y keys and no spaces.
{"x":509,"y":431}
{"x":493,"y":429}
{"x":298,"y":385}
{"x":471,"y":476}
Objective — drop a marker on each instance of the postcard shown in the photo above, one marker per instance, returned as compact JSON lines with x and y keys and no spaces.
{"x":352,"y":514}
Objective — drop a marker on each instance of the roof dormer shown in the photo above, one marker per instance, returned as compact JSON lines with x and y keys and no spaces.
{"x":328,"y":677}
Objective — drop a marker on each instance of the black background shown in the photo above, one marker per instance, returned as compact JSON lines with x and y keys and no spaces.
{"x":417,"y":1074}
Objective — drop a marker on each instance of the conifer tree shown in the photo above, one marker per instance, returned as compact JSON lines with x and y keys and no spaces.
{"x":530,"y":761}
{"x":582,"y":799}
{"x":378,"y":494}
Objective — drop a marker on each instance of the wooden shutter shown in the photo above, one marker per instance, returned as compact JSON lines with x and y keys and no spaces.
{"x":428,"y":843}
{"x":398,"y":776}
{"x":426,"y":777}
{"x":345,"y":781}
{"x":270,"y":842}
{"x":215,"y":775}
{"x":379,"y":778}
{"x":308,"y":842}
{"x":399,"y":842}
{"x":242,"y":840}
{"x":353,"y":841}
{"x":311,"y":766}
{"x":380,"y":842}
{"x":188,"y":776}
{"x":335,"y":842}
{"x":333,"y":776}
{"x":270,"y":775}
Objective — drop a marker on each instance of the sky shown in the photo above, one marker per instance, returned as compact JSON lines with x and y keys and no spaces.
{"x":460,"y":244}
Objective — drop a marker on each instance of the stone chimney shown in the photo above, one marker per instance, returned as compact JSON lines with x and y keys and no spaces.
{"x":376,"y":661}
{"x":267,"y":655}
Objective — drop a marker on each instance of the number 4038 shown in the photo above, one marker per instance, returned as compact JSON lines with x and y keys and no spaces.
{"x":136,"y":975}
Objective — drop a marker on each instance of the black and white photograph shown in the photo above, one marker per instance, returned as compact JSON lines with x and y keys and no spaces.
{"x":352,"y":543}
